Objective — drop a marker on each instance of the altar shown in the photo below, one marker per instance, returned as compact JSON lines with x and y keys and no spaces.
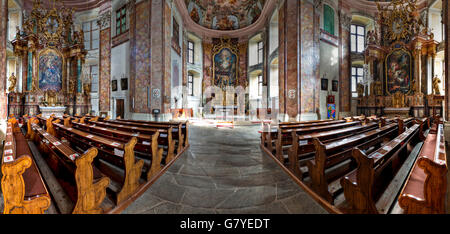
{"x":391,"y":112}
{"x":47,"y":111}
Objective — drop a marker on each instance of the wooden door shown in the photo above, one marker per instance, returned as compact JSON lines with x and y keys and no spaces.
{"x":120,"y":108}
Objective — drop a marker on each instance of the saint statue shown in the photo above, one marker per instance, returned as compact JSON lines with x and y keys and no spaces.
{"x":360,"y":89}
{"x":12,"y":83}
{"x":436,"y":82}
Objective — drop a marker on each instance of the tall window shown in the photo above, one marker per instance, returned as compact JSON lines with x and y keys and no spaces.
{"x":260,"y":52}
{"x":328,"y":19}
{"x":357,"y":77}
{"x":190,"y":85}
{"x":357,"y":38}
{"x":91,"y":35}
{"x":260,"y":85}
{"x":94,"y":77}
{"x":121,"y":20}
{"x":190,"y":52}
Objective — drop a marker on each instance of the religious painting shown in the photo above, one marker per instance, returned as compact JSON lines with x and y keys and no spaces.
{"x":124,"y":83}
{"x":114,"y":85}
{"x":225,"y":68}
{"x":324,"y":84}
{"x":334,"y":85}
{"x":225,"y":14}
{"x":50,"y":70}
{"x":398,"y":71}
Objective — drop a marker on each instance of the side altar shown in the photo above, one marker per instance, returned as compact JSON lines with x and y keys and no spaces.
{"x":396,"y":79}
{"x":51,"y":54}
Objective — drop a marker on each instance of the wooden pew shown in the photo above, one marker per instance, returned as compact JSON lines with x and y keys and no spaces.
{"x":339,"y":152}
{"x":116,"y":153}
{"x":179,"y":130}
{"x":184,"y":134}
{"x":84,"y":183}
{"x":284,"y":136}
{"x":146,"y":147}
{"x":364,"y":186}
{"x":303,"y":147}
{"x":24,"y":191}
{"x":425,"y":188}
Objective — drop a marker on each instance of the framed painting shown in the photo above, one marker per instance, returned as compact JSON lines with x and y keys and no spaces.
{"x":124,"y":84}
{"x":334,"y":85}
{"x":114,"y":85}
{"x":50,"y":70}
{"x":324,"y":84}
{"x":398,"y":67}
{"x":331,"y":111}
{"x":225,"y":64}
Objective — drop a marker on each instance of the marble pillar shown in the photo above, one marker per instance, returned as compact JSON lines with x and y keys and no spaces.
{"x":344,"y":61}
{"x":446,"y":21}
{"x":104,"y":80}
{"x":3,"y":78}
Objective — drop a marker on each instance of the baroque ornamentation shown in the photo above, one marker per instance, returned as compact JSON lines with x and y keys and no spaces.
{"x":104,"y":20}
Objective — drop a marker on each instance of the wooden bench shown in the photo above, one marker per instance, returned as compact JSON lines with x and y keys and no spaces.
{"x":340,"y":152}
{"x":24,"y":191}
{"x":146,"y":147}
{"x":425,"y":189}
{"x":364,"y":186}
{"x":303,"y":148}
{"x":82,"y":181}
{"x":119,"y":154}
{"x":160,"y":124}
{"x":179,"y":130}
{"x":284,"y":136}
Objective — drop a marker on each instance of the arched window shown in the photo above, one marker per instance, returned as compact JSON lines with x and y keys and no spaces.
{"x":328,"y":19}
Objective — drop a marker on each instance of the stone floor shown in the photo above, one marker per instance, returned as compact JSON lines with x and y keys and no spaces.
{"x":224,"y":171}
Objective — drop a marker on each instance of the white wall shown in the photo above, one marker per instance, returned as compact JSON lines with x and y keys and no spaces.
{"x":329,"y":68}
{"x":120,"y":68}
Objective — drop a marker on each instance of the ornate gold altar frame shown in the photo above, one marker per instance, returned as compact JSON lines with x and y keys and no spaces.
{"x":63,"y":68}
{"x":411,"y":78}
{"x":225,"y":43}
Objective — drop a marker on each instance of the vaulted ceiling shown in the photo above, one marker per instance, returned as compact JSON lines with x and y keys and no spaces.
{"x":225,"y":14}
{"x":77,"y":5}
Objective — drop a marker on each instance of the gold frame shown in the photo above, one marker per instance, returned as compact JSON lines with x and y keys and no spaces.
{"x":46,"y":51}
{"x":386,"y":68}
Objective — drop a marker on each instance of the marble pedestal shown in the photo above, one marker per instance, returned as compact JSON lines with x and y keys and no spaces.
{"x":391,"y":112}
{"x":49,"y":110}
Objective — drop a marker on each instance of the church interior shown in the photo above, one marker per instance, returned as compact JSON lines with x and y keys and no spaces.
{"x":224,"y":106}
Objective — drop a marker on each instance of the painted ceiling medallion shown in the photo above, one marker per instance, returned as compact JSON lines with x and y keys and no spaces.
{"x":225,"y":14}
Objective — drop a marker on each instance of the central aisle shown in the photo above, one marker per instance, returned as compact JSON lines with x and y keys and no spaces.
{"x":224,"y":171}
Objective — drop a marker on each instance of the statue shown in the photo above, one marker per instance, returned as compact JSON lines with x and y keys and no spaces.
{"x":360,"y":89}
{"x":372,"y":37}
{"x":436,"y":82}
{"x":378,"y":89}
{"x":87,"y":89}
{"x":12,"y":83}
{"x":398,"y":100}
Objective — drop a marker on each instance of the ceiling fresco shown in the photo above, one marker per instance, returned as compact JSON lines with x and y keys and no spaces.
{"x":225,"y":14}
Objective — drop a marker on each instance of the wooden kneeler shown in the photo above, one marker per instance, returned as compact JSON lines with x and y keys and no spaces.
{"x":13,"y":188}
{"x":90,"y":194}
{"x":132,"y":172}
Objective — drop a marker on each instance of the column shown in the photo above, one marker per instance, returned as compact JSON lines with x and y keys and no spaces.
{"x":3,"y":78}
{"x":344,"y":61}
{"x":104,"y":78}
{"x":446,"y":20}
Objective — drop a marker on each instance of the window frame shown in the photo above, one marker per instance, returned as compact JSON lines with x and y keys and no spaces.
{"x":357,"y":79}
{"x":190,"y":84}
{"x":260,"y":85}
{"x":357,"y":35}
{"x":260,"y":49}
{"x":90,"y":74}
{"x":120,"y":20}
{"x":90,"y":31}
{"x":191,"y":51}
